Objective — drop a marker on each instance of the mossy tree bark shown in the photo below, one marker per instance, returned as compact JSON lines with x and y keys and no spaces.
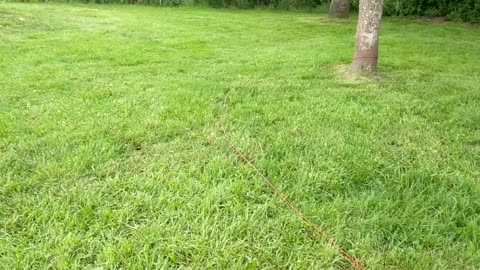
{"x":340,"y":8}
{"x":365,"y":59}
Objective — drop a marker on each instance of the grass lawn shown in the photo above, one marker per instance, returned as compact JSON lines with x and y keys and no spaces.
{"x":112,"y":156}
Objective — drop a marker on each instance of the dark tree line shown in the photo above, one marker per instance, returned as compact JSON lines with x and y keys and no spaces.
{"x":464,"y":10}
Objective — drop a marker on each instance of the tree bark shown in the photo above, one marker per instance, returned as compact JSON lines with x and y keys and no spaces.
{"x":340,"y":8}
{"x":365,"y":59}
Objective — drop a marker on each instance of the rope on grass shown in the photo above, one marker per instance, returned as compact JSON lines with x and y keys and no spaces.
{"x":282,"y":196}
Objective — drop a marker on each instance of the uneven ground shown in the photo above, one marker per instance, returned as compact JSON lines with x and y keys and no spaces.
{"x":111,"y":155}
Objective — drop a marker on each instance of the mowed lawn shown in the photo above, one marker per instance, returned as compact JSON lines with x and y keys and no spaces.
{"x":112,"y":156}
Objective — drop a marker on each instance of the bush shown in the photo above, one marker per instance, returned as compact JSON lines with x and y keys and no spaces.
{"x":465,"y":10}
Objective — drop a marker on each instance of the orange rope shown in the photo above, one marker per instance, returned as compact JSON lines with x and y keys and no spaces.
{"x":283,"y":196}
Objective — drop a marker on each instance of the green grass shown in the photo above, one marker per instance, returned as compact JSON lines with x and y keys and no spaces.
{"x":111,"y":153}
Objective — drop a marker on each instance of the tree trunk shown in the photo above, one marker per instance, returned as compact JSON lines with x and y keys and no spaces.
{"x":365,"y":59}
{"x":340,"y":8}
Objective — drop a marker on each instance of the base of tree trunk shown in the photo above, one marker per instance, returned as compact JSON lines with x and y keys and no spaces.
{"x":364,"y":66}
{"x":340,"y":8}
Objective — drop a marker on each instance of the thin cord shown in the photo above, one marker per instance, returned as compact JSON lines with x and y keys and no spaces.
{"x":283,"y":196}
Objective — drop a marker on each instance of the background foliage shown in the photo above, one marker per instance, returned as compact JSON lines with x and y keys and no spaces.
{"x":464,"y":10}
